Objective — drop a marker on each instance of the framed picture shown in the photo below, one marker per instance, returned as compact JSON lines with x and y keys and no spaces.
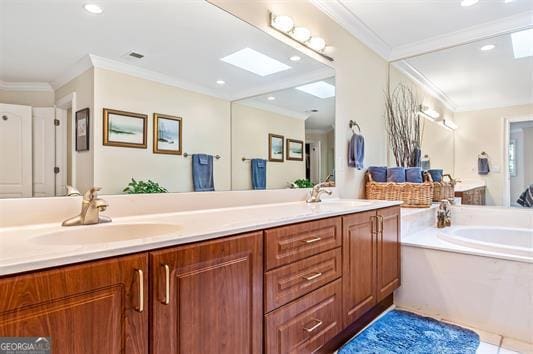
{"x":167,"y":134}
{"x":275,"y":147}
{"x":125,"y":129}
{"x":295,"y":150}
{"x":82,"y":130}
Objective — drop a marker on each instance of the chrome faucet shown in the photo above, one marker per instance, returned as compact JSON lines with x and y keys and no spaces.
{"x":91,"y":206}
{"x":317,"y":191}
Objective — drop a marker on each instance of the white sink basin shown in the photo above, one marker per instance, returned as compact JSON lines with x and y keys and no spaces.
{"x":345,"y":202}
{"x":105,"y":233}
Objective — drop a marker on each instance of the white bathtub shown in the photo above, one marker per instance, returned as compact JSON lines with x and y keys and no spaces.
{"x":503,"y":240}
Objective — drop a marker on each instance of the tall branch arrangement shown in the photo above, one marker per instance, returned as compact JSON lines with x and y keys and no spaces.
{"x":403,"y":125}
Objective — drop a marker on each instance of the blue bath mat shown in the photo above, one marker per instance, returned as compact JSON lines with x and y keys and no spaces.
{"x":401,"y":332}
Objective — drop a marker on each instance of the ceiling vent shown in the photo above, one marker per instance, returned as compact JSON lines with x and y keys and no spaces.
{"x":135,"y":55}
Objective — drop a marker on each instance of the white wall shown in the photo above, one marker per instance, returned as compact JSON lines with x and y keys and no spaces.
{"x":250,"y":129}
{"x":28,"y":98}
{"x":206,"y":129}
{"x":83,"y":86}
{"x":361,"y":80}
{"x":484,"y":131}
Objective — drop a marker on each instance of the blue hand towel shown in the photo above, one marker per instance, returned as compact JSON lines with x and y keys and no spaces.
{"x":416,"y":158}
{"x":483,"y":167}
{"x":356,"y":151}
{"x":436,"y":174}
{"x":258,"y":173}
{"x":378,"y":173}
{"x":413,"y":175}
{"x":202,"y":173}
{"x":396,"y":174}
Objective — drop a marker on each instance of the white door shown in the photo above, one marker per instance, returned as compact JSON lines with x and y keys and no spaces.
{"x":15,"y":151}
{"x":43,"y":152}
{"x":61,"y":152}
{"x":314,"y":163}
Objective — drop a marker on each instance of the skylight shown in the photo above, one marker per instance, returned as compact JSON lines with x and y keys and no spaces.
{"x":320,"y":89}
{"x":255,"y":62}
{"x":523,"y":43}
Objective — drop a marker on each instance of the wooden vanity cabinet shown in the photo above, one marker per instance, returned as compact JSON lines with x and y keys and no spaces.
{"x":207,"y":298}
{"x":91,"y":308}
{"x":371,"y":260}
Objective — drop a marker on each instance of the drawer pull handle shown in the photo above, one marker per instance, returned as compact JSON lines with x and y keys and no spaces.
{"x":317,"y":323}
{"x":167,"y":284}
{"x":312,"y":240}
{"x":141,"y":290}
{"x":311,"y":277}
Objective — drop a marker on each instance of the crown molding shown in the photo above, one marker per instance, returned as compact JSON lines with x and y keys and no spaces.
{"x":25,"y":86}
{"x":468,"y":35}
{"x":72,"y":72}
{"x":274,"y":109}
{"x":350,"y":22}
{"x":425,"y":83}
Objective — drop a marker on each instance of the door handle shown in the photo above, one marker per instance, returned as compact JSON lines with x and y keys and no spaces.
{"x":166,"y":301}
{"x":140,"y":275}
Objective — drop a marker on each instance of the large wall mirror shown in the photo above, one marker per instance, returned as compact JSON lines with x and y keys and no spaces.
{"x":477,"y":104}
{"x":143,"y":98}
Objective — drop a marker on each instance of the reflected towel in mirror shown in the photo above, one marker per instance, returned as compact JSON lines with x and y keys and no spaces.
{"x":258,"y":173}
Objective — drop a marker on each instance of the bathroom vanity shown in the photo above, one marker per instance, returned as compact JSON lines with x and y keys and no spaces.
{"x":300,"y":282}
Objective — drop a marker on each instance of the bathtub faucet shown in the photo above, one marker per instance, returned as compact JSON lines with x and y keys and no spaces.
{"x":444,"y":214}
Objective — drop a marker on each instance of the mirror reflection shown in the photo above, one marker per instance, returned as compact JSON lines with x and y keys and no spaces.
{"x":153,"y":104}
{"x":477,"y":110}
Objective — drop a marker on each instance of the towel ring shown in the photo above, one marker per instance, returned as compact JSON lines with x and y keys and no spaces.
{"x":483,"y":154}
{"x":353,"y":124}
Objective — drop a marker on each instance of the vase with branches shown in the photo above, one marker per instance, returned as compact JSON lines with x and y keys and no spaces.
{"x":403,"y":125}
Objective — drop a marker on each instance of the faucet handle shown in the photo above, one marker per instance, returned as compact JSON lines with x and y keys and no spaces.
{"x":91,"y":193}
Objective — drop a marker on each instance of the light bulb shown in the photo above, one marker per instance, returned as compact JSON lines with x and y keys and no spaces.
{"x":317,"y":43}
{"x":283,"y":23}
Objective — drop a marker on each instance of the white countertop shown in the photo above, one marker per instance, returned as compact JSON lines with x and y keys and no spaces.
{"x":25,"y":248}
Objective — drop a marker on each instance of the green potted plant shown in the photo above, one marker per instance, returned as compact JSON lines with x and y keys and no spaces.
{"x":141,"y":187}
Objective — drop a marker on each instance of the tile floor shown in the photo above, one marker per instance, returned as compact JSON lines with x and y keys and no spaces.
{"x":490,"y":343}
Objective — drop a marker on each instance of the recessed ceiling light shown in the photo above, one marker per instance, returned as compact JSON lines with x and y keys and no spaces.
{"x":93,"y":8}
{"x":522,"y":40}
{"x":301,"y":34}
{"x":271,"y":98}
{"x":221,"y":82}
{"x":320,"y":89}
{"x":317,"y":43}
{"x":508,"y":1}
{"x":283,"y":23}
{"x":295,"y":58}
{"x":466,"y":3}
{"x":255,"y":62}
{"x":488,"y":47}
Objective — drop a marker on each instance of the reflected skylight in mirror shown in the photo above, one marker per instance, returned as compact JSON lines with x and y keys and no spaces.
{"x":255,"y":62}
{"x":319,"y":89}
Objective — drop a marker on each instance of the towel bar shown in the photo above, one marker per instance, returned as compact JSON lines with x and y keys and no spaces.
{"x":185,"y":154}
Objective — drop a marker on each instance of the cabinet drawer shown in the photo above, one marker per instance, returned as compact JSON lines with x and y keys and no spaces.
{"x":292,"y":243}
{"x":305,"y":325}
{"x":289,"y":282}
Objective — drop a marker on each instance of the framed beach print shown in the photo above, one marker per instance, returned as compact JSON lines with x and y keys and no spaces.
{"x":125,"y":129}
{"x":275,"y":148}
{"x":167,"y":134}
{"x":82,"y":129}
{"x":295,"y":150}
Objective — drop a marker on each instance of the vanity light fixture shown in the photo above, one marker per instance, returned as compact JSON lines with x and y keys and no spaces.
{"x":93,"y":8}
{"x":295,"y":58}
{"x":522,"y":40}
{"x":467,"y":3}
{"x":255,"y":62}
{"x":429,"y":113}
{"x":320,"y":89}
{"x":284,"y":24}
{"x":487,"y":47}
{"x":221,"y":82}
{"x":449,"y":124}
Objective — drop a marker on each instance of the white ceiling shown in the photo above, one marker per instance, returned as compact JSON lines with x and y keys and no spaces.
{"x":298,"y":104}
{"x":471,"y":79}
{"x":182,"y":41}
{"x":401,"y":28}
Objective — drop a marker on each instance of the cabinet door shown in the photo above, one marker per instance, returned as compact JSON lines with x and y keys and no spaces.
{"x":359,"y":265}
{"x":207,"y":297}
{"x":388,"y":252}
{"x":90,"y":308}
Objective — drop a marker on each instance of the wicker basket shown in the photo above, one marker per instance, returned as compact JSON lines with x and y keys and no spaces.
{"x":444,"y":190}
{"x":413,"y":195}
